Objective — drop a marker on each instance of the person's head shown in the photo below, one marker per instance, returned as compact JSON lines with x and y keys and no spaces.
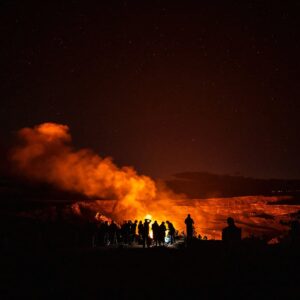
{"x":135,"y":221}
{"x":230,"y":221}
{"x":189,"y":215}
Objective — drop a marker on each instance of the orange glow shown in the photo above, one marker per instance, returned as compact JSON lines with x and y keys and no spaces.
{"x":45,"y":155}
{"x":250,"y":212}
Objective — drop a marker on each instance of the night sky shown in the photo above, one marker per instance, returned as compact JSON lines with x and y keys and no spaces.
{"x":164,"y":86}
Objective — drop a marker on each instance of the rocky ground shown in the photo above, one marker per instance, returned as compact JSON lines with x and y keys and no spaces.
{"x":207,"y":269}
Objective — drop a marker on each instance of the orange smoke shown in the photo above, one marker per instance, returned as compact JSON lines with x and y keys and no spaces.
{"x":45,"y":154}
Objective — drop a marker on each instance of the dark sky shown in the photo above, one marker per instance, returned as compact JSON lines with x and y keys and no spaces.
{"x":164,"y":86}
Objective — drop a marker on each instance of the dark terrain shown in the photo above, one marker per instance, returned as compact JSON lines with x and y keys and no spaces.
{"x":55,"y":260}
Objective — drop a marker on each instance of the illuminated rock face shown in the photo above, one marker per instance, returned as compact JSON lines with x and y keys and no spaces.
{"x":45,"y":154}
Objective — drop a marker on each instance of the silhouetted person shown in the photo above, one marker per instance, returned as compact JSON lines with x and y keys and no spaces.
{"x":125,"y":231}
{"x":146,"y":233}
{"x":171,"y":232}
{"x":189,"y":222}
{"x":113,"y":233}
{"x":140,"y":230}
{"x":231,"y":234}
{"x":162,"y":233}
{"x":155,"y":230}
{"x":133,"y":230}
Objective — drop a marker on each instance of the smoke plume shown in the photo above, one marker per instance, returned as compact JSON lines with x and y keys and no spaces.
{"x":45,"y":154}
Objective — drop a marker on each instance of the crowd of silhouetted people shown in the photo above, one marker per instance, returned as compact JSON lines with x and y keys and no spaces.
{"x":135,"y":232}
{"x":138,"y":232}
{"x":150,"y":233}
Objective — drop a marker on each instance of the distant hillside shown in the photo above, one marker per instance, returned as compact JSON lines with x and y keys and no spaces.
{"x":204,"y":185}
{"x":19,"y":194}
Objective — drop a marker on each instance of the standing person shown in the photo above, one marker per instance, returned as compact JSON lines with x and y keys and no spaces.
{"x":133,"y":231}
{"x":113,"y":233}
{"x":140,"y":231}
{"x":146,"y":233}
{"x":123,"y":232}
{"x":171,"y":232}
{"x":162,"y":233}
{"x":155,"y":230}
{"x":189,"y":222}
{"x":231,"y":234}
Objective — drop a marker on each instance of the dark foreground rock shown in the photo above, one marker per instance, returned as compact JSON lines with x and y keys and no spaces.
{"x":205,"y":271}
